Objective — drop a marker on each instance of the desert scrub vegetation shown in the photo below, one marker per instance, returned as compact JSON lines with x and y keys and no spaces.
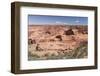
{"x":81,"y":51}
{"x":77,"y":53}
{"x":32,"y":56}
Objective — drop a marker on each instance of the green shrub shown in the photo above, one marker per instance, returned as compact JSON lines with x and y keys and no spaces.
{"x":80,"y":52}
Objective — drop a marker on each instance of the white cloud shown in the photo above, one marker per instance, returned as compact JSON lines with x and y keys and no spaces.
{"x":58,"y":22}
{"x":65,"y":23}
{"x":77,"y":21}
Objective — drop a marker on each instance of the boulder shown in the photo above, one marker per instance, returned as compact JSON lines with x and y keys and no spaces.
{"x":59,"y":37}
{"x":69,"y":32}
{"x":30,"y":41}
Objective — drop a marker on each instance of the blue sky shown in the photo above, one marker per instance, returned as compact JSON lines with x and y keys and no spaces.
{"x":44,"y":19}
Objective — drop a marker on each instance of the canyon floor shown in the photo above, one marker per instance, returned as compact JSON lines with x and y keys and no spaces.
{"x":50,"y":42}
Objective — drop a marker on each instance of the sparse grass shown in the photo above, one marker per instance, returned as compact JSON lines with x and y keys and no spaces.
{"x":32,"y":56}
{"x":80,"y":52}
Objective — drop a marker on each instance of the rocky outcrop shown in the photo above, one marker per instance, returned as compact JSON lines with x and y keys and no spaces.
{"x":30,"y":41}
{"x":59,"y":37}
{"x":69,"y":32}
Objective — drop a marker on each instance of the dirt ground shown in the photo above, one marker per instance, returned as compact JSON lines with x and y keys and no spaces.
{"x":57,"y":42}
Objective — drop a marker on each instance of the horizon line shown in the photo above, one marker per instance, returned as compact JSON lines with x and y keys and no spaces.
{"x":58,"y":24}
